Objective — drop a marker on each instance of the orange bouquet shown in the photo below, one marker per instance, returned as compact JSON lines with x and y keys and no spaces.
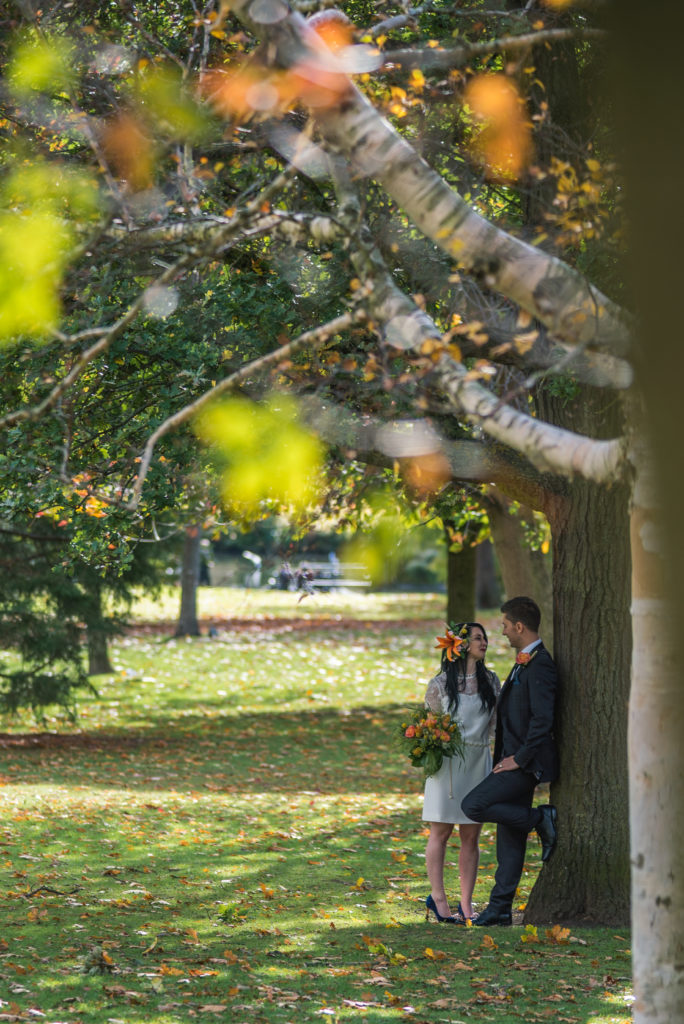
{"x":428,"y":737}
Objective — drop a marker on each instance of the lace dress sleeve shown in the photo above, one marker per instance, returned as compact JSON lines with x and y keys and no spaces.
{"x":434,"y":693}
{"x":496,"y":686}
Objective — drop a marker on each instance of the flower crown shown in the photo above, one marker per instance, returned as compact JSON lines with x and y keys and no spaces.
{"x":454,"y":644}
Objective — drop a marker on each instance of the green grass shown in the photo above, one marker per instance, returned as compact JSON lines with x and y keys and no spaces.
{"x":230,"y":826}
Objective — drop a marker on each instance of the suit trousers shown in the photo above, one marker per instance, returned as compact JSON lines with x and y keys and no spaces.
{"x":506,"y":799}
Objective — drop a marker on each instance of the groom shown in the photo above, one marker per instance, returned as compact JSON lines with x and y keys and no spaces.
{"x":524,"y":754}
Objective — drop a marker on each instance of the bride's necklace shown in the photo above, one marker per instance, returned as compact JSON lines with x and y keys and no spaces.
{"x":471,"y":675}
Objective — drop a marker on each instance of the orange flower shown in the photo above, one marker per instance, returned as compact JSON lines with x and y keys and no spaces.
{"x":523,"y":658}
{"x":452,"y":644}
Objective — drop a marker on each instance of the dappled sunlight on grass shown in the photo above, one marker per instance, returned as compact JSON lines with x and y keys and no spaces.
{"x":229,"y":830}
{"x":238,"y":602}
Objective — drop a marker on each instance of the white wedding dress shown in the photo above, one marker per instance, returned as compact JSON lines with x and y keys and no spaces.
{"x":445,"y":790}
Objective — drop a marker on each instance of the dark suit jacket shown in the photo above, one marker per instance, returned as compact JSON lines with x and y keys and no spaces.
{"x":526,"y":706}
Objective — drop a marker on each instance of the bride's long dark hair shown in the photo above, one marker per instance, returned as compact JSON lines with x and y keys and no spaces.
{"x":456,"y":670}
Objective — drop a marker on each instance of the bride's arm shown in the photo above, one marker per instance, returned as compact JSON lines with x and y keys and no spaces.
{"x":496,"y":686}
{"x":434,"y":693}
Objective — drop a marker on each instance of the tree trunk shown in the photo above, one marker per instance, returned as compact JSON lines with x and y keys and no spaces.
{"x":524,"y":572}
{"x":653,"y":102}
{"x":461,"y":567}
{"x":587,"y":879}
{"x":187,"y":621}
{"x":96,"y":631}
{"x":487,"y":583}
{"x":656,"y":727}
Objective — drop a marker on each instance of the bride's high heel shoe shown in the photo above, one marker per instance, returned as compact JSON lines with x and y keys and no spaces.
{"x":461,"y":916}
{"x":430,"y":905}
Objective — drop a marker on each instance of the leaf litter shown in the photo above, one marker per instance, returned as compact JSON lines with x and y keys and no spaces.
{"x":218,"y":838}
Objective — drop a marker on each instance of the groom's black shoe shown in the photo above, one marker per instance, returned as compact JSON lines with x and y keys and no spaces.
{"x":546,"y":830}
{"x":491,"y":916}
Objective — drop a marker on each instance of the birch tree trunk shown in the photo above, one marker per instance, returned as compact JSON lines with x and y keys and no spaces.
{"x":653,"y":101}
{"x":656,"y":731}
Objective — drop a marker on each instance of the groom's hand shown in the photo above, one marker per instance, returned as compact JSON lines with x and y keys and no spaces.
{"x":508,"y":764}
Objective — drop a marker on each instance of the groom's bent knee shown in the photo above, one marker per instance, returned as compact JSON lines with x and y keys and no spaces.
{"x":472,"y":807}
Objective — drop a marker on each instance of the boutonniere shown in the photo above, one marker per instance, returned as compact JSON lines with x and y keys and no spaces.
{"x":525,"y":657}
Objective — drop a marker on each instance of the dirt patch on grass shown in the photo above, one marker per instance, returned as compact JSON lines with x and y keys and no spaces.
{"x":55,"y":740}
{"x":272,"y":624}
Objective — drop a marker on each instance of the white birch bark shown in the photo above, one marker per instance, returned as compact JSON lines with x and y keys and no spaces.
{"x":556,"y":294}
{"x":656,"y":785}
{"x":548,"y":448}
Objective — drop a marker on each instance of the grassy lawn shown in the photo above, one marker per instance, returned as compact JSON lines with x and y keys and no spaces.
{"x":229,"y":833}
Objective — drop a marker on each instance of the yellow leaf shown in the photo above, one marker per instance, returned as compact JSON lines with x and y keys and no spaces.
{"x":40,"y":65}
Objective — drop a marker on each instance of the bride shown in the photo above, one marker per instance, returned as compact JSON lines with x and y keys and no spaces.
{"x":468,"y":692}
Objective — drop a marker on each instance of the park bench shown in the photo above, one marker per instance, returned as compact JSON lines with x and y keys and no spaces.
{"x":337,"y":575}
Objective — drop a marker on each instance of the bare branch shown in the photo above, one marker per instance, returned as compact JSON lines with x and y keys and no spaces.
{"x":439,"y":59}
{"x":313,"y":338}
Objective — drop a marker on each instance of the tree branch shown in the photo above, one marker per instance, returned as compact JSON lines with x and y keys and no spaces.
{"x":240,"y":223}
{"x":552,"y":291}
{"x":548,"y":448}
{"x":314,"y":338}
{"x":439,"y":59}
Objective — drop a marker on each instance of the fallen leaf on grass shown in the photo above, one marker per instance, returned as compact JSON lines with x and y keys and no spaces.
{"x":557,"y":935}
